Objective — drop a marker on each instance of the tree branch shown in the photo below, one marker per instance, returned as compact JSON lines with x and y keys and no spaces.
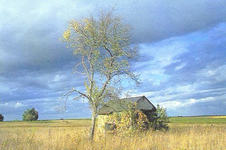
{"x":85,"y":67}
{"x":105,"y":85}
{"x":74,"y":90}
{"x":92,"y":73}
{"x":76,"y":70}
{"x":108,"y":50}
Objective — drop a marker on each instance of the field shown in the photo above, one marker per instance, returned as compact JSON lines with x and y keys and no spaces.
{"x":186,"y":133}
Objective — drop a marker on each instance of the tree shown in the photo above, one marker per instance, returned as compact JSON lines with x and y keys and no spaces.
{"x":160,"y":119}
{"x":102,"y":45}
{"x":30,"y":115}
{"x":1,"y":117}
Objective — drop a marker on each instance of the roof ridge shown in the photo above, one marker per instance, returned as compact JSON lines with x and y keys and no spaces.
{"x":133,"y":97}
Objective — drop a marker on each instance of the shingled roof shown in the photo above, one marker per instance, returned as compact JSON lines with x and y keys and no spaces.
{"x":142,"y":103}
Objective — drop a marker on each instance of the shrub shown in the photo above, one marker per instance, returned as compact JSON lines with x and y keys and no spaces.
{"x":160,"y":119}
{"x":1,"y":117}
{"x":127,"y":122}
{"x":30,"y":115}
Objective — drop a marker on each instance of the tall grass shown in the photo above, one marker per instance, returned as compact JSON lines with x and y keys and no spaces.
{"x":72,"y":135}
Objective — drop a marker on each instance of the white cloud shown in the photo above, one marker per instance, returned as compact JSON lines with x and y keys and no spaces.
{"x":164,"y":52}
{"x":176,"y":104}
{"x":12,"y":105}
{"x":180,"y":66}
{"x":18,"y":104}
{"x":58,"y":78}
{"x":171,"y":104}
{"x":160,"y":55}
{"x":4,"y":104}
{"x":212,"y":72}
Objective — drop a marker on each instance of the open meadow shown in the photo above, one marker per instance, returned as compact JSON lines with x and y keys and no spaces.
{"x":186,"y":133}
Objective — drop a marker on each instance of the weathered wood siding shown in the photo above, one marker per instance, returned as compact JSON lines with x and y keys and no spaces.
{"x":143,"y":104}
{"x":101,"y":120}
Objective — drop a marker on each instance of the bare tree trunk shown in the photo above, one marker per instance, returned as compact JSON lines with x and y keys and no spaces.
{"x":94,"y":116}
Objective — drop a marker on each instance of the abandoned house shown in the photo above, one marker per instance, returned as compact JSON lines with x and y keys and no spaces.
{"x":119,"y":106}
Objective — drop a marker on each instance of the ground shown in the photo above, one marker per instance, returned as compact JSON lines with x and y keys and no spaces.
{"x":186,"y":133}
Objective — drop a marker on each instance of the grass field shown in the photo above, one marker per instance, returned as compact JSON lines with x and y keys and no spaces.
{"x":186,"y":133}
{"x":199,"y":120}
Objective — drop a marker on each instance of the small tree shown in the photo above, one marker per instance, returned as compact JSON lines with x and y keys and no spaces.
{"x":30,"y":115}
{"x":1,"y":117}
{"x":102,"y":46}
{"x":160,"y":119}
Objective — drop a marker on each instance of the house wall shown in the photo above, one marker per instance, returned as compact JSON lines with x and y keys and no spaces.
{"x":101,"y":120}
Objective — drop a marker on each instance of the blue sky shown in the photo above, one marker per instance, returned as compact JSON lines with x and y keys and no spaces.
{"x":182,"y":47}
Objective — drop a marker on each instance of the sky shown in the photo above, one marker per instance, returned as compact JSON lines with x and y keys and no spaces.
{"x":182,"y":49}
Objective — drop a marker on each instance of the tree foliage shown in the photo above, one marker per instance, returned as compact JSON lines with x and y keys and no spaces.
{"x":102,"y":46}
{"x":1,"y":117}
{"x":30,"y":115}
{"x":160,"y":119}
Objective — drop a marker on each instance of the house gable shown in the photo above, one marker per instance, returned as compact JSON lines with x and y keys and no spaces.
{"x":144,"y":104}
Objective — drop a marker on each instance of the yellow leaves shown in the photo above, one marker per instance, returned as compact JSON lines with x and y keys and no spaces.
{"x":97,"y":35}
{"x":128,"y":122}
{"x":87,"y":23}
{"x":141,"y":119}
{"x":67,"y":34}
{"x":107,"y":63}
{"x":75,"y":25}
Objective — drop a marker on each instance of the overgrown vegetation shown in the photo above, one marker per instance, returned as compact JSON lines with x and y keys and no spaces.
{"x":1,"y":117}
{"x":132,"y":121}
{"x":30,"y":115}
{"x":127,"y":122}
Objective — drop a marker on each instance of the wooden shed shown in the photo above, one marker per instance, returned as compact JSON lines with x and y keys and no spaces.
{"x":121,"y":105}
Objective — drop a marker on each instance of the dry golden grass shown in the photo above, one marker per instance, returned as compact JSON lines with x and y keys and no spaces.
{"x":217,"y":117}
{"x":73,"y":134}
